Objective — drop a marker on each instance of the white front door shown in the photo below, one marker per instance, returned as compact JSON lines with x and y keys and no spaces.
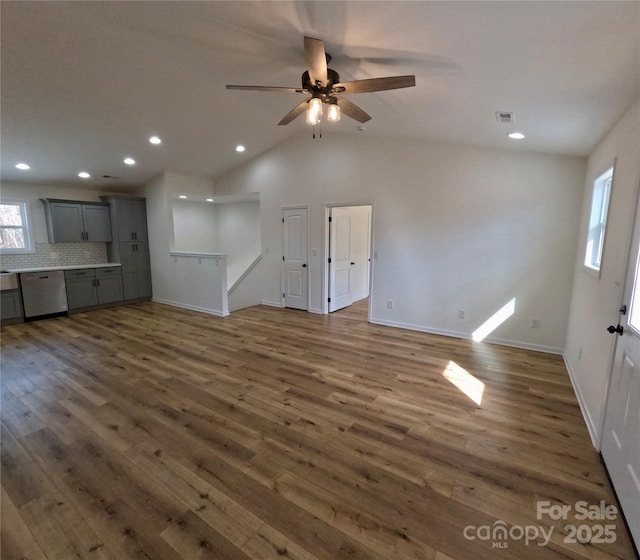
{"x":296,"y":275}
{"x":340,"y":258}
{"x":620,"y":445}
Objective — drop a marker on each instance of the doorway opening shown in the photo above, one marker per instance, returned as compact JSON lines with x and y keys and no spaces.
{"x":347,"y":263}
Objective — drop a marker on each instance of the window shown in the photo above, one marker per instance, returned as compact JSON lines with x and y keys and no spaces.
{"x":14,"y":228}
{"x":598,"y":221}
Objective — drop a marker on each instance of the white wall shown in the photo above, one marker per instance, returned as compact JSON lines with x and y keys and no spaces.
{"x":237,"y":231}
{"x":595,"y":301}
{"x":194,"y":227}
{"x":454,"y":227}
{"x":199,"y":284}
{"x":231,"y":228}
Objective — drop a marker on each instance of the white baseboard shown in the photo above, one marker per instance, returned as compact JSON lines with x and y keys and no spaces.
{"x":271,"y":303}
{"x":459,"y":334}
{"x":591,"y":428}
{"x":191,"y":307}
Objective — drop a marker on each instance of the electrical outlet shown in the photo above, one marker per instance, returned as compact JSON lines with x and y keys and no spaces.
{"x":535,"y":323}
{"x":461,"y":314}
{"x":389,"y":304}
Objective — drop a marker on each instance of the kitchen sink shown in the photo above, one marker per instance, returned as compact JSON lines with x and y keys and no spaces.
{"x":8,"y":281}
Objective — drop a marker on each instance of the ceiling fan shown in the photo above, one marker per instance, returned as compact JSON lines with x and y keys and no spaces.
{"x":325,"y":88}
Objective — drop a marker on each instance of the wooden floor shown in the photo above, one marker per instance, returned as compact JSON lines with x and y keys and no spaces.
{"x":152,"y":432}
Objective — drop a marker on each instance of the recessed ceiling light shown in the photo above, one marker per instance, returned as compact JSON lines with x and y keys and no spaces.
{"x":23,"y":166}
{"x":240,"y":148}
{"x":209,"y":199}
{"x":516,"y":135}
{"x":182,"y":196}
{"x":84,"y":175}
{"x":155,"y":140}
{"x":130,"y":161}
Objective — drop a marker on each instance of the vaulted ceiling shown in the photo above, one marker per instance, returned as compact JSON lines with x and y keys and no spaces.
{"x":84,"y":84}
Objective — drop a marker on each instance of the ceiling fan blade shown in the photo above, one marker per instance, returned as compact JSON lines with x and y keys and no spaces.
{"x":352,"y":110}
{"x":376,"y":84}
{"x":295,"y":112}
{"x":269,"y":88}
{"x":316,"y":60}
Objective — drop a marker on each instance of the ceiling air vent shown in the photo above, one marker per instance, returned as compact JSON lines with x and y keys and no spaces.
{"x":504,"y":117}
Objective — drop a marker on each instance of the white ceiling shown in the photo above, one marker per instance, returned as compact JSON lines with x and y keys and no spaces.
{"x":84,"y":84}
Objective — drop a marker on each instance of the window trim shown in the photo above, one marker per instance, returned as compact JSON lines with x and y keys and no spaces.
{"x":25,"y":212}
{"x":605,"y":170}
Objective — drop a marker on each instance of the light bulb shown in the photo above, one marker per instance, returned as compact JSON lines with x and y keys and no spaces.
{"x":333,"y":115}
{"x":314,"y":112}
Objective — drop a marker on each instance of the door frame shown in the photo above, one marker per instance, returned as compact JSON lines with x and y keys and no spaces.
{"x":306,"y":207}
{"x":325,"y":254}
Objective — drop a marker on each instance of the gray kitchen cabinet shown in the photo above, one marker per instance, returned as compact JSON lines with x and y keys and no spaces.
{"x":71,"y":221}
{"x":89,"y":287}
{"x":136,"y":271}
{"x":81,"y":289}
{"x":129,"y":218}
{"x":11,"y":305}
{"x":109,"y":285}
{"x":130,"y":246}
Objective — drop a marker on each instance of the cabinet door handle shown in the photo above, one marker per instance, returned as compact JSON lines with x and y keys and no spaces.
{"x":135,"y":235}
{"x":98,"y":282}
{"x":86,"y":234}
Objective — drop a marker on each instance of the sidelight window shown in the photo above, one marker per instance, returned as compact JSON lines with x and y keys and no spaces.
{"x":598,"y":221}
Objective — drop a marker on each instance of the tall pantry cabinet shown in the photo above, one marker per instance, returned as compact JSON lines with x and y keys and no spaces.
{"x":130,"y":244}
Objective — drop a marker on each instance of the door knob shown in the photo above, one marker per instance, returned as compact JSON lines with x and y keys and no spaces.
{"x":353,"y":263}
{"x":304,"y":265}
{"x":619,"y":329}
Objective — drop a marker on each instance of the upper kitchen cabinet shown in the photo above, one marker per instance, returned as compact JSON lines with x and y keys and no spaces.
{"x":128,"y":217}
{"x":72,"y":221}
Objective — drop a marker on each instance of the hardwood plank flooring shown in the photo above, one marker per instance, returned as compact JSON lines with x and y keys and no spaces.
{"x":147,"y":431}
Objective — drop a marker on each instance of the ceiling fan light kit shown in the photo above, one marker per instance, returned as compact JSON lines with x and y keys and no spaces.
{"x":325,"y":88}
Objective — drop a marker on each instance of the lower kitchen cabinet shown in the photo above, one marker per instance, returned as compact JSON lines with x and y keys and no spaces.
{"x":11,"y":305}
{"x":81,"y":292}
{"x":89,"y":287}
{"x":109,"y":285}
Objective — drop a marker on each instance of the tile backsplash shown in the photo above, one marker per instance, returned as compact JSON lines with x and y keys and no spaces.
{"x":59,"y":254}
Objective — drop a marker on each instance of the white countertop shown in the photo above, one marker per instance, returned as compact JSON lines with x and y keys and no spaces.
{"x":65,"y":267}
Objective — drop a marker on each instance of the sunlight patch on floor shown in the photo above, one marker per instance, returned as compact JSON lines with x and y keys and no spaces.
{"x":463,"y":380}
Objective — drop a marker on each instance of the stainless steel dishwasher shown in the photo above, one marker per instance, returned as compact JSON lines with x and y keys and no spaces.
{"x":43,"y":293}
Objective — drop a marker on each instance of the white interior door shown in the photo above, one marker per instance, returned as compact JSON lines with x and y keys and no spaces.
{"x":360,"y":249}
{"x":340,"y":258}
{"x":620,"y":445}
{"x":296,"y":275}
